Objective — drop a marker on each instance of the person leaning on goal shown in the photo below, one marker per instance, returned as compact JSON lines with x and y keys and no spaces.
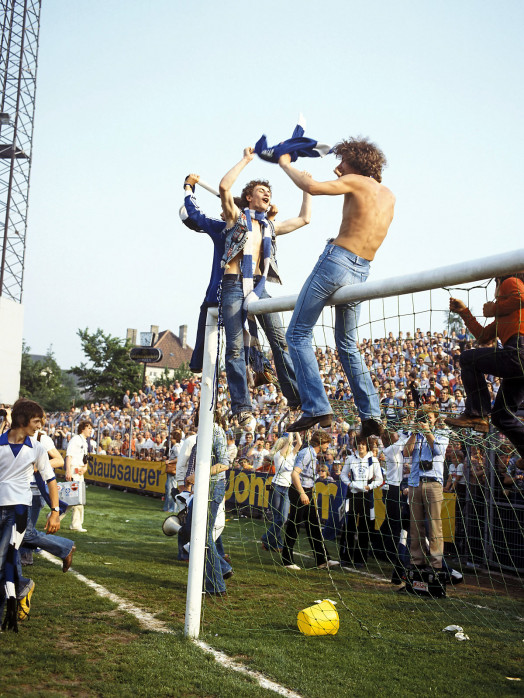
{"x":506,"y":362}
{"x":249,"y":261}
{"x":366,"y":216}
{"x":303,"y":508}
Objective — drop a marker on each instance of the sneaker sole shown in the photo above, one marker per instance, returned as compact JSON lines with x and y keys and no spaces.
{"x":24,"y":605}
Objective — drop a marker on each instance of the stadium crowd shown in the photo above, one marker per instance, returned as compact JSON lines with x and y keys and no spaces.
{"x":407,"y":371}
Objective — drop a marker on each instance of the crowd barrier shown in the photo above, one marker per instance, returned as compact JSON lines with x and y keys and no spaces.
{"x":243,"y":490}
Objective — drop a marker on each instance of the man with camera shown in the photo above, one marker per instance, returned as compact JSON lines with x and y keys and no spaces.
{"x":427,"y":446}
{"x":76,"y":464}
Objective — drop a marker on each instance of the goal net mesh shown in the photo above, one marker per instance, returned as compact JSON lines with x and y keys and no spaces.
{"x":410,"y":344}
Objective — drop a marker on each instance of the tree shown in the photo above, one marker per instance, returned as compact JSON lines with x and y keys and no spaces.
{"x":46,"y":383}
{"x":110,"y":371}
{"x":453,"y":321}
{"x":169,"y":376}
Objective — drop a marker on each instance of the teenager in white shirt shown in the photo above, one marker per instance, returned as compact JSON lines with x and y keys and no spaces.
{"x":284,"y":453}
{"x":362,"y":474}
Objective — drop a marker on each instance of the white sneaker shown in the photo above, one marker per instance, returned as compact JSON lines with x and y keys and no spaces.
{"x":292,"y":567}
{"x":329,"y":564}
{"x":78,"y":530}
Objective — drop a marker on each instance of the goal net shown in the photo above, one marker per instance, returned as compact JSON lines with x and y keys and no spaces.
{"x":411,"y":345}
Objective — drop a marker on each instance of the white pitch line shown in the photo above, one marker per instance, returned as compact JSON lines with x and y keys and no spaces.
{"x":226,"y":661}
{"x":149,"y":622}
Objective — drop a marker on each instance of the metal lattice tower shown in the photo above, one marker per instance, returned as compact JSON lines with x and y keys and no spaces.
{"x":18,"y":64}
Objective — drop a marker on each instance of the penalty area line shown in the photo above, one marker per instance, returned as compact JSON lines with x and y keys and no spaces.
{"x":149,"y":622}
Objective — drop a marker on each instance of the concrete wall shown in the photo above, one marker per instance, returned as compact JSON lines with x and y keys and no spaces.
{"x":11,"y":333}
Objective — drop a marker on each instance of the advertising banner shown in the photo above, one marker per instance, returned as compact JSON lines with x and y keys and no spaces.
{"x":140,"y":475}
{"x":251,"y":489}
{"x":245,"y":489}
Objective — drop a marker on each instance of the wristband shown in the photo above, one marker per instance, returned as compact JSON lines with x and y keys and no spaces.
{"x":186,"y":184}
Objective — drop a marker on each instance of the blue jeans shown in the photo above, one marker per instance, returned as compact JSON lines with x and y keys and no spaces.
{"x":36,"y":507}
{"x":335,"y":268}
{"x":7,"y":517}
{"x":169,"y":502}
{"x":506,"y":363}
{"x":216,"y":566}
{"x":271,"y":323}
{"x":56,"y":545}
{"x":279,"y":507}
{"x":197,"y":358}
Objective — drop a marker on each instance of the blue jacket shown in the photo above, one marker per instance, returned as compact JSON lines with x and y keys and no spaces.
{"x":214,"y":227}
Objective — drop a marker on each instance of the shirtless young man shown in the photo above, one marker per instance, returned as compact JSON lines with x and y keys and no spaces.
{"x":256,"y":196}
{"x":367,"y":213}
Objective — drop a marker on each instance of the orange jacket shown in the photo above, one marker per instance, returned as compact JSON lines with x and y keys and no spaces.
{"x":509,"y":314}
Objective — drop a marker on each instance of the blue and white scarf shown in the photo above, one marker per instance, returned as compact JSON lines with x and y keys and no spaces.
{"x":11,"y":573}
{"x":298,"y":146}
{"x":247,"y":266}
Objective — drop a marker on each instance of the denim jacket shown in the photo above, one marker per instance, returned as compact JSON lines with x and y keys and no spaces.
{"x":236,"y":237}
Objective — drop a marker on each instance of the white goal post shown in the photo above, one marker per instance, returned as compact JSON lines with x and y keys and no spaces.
{"x":465,"y":272}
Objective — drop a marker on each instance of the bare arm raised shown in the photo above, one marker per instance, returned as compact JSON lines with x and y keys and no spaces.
{"x":303,"y":218}
{"x":343,"y":185}
{"x":229,"y":207}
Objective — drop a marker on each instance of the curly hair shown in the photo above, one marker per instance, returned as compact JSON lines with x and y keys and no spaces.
{"x":363,"y":155}
{"x":248,"y":190}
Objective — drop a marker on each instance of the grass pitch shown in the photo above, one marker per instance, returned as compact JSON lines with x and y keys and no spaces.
{"x":78,"y":644}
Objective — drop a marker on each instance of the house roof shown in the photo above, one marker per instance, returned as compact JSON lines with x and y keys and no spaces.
{"x":174,"y":355}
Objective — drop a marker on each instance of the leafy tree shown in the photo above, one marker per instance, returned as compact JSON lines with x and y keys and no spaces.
{"x":453,"y":321}
{"x":169,"y":376}
{"x":45,"y":382}
{"x":110,"y":371}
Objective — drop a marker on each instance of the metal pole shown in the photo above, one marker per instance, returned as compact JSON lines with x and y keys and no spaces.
{"x":461,"y":273}
{"x":202,"y":471}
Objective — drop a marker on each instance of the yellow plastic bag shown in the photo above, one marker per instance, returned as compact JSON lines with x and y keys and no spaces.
{"x":320,"y":619}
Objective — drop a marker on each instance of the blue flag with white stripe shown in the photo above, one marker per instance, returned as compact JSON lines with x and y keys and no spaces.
{"x":298,"y":146}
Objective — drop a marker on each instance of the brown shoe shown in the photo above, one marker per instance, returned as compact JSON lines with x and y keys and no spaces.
{"x":468,"y":421}
{"x":68,"y":561}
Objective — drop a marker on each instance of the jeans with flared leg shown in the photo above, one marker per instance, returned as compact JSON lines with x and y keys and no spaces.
{"x":335,"y":268}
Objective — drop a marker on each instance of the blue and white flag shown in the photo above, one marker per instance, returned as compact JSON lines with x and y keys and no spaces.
{"x":298,"y":146}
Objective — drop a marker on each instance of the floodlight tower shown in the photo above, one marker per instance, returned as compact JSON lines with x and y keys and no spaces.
{"x":20,"y":26}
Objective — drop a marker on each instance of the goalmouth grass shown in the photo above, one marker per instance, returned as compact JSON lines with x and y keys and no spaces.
{"x":78,"y":644}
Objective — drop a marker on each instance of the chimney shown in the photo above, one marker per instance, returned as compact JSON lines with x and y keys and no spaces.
{"x":131,"y":336}
{"x":182,"y":335}
{"x":154,"y":330}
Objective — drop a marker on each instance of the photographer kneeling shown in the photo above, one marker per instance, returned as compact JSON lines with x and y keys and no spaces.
{"x":427,"y":446}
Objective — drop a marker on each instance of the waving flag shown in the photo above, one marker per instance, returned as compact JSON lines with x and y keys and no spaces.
{"x":298,"y":146}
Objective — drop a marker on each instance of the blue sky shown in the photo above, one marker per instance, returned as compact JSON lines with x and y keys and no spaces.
{"x":133,"y":95}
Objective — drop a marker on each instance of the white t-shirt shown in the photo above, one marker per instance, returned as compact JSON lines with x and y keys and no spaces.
{"x":48,"y":444}
{"x":258,"y":457}
{"x":16,"y":473}
{"x":283,"y":469}
{"x":457,"y":470}
{"x":76,"y":450}
{"x":183,"y":457}
{"x":394,"y":463}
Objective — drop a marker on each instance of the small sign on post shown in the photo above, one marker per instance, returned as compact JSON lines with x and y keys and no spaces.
{"x":146,"y":355}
